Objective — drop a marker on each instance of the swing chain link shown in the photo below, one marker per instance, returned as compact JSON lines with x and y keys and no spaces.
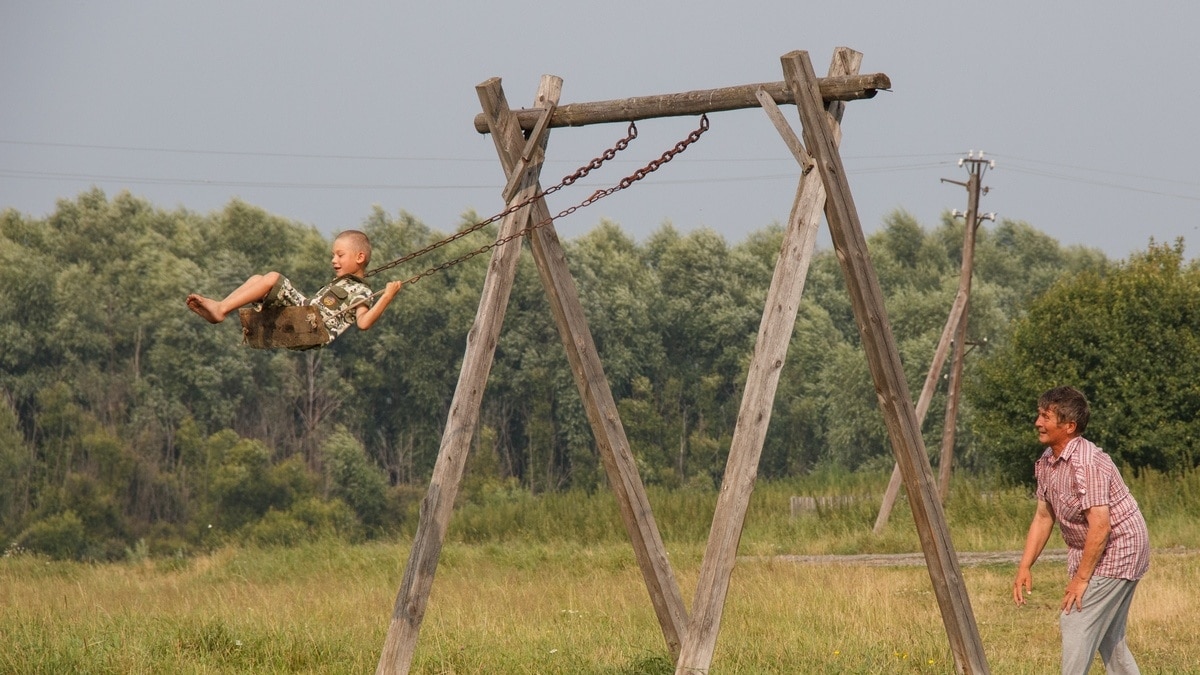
{"x":630,"y":134}
{"x":668,"y":155}
{"x":625,"y":182}
{"x":596,"y":162}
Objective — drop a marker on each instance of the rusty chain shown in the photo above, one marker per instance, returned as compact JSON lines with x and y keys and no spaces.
{"x":625,"y":182}
{"x":630,"y":134}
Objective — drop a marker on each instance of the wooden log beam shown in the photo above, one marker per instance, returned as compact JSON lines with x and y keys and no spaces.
{"x":883,"y":358}
{"x":839,"y":88}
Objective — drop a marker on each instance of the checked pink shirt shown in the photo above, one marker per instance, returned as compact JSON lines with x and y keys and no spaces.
{"x":1084,"y":476}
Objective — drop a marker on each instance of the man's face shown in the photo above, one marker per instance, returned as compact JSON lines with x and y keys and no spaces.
{"x":1051,"y":430}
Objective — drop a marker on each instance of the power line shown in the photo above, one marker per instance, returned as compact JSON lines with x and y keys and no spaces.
{"x":881,"y":168}
{"x":237,"y":153}
{"x":1106,"y":184}
{"x":1124,"y":174}
{"x":402,"y":158}
{"x":420,"y":158}
{"x":204,"y":182}
{"x":230,"y":183}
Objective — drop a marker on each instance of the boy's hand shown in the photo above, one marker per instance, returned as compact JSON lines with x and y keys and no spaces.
{"x":368,"y":317}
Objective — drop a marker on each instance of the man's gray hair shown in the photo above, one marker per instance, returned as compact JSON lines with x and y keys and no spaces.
{"x":1069,"y":404}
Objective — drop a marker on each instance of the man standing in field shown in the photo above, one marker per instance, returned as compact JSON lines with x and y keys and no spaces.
{"x":1108,"y":546}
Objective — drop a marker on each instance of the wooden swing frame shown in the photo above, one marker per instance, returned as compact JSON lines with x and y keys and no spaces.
{"x":691,"y":638}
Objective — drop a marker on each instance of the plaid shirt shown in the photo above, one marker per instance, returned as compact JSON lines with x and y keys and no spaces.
{"x":1084,"y":476}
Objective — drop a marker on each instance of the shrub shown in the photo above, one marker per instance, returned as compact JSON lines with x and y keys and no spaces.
{"x":351,"y":477}
{"x":305,"y":521}
{"x":60,"y":536}
{"x":276,"y":528}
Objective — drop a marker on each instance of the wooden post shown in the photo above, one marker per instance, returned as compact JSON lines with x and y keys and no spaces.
{"x":598,"y":402}
{"x":955,"y":332}
{"x":946,"y":460}
{"x":413,"y":596}
{"x":884,"y":360}
{"x":758,"y":397}
{"x":935,"y":368}
{"x":845,"y":88}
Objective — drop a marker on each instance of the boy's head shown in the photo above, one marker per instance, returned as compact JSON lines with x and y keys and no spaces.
{"x":351,"y":253}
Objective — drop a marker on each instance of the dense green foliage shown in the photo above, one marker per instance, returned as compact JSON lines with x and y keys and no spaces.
{"x":1130,"y":340}
{"x":125,"y":417}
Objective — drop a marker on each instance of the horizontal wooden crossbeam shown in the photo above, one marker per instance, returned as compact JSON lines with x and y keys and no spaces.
{"x":846,"y":88}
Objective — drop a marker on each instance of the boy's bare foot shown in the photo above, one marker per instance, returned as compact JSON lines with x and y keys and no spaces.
{"x":205,"y":307}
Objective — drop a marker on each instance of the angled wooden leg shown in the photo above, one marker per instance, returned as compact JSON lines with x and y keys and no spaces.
{"x":904,"y":430}
{"x":758,"y":397}
{"x":601,"y":409}
{"x":413,"y":596}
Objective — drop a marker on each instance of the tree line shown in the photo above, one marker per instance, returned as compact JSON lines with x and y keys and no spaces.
{"x":126,"y":418}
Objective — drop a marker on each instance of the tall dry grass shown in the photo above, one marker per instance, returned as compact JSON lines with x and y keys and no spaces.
{"x":541,"y":597}
{"x":323,"y":608}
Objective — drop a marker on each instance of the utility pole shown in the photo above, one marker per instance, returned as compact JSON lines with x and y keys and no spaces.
{"x":976,"y":166}
{"x":954,"y":332}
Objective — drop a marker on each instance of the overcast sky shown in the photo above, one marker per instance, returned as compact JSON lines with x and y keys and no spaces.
{"x":318,"y":111}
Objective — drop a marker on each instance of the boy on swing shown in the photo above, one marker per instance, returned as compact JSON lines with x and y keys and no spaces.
{"x":344,"y":301}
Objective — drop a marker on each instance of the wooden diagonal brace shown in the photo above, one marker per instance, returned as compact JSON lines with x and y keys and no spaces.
{"x":531,"y":156}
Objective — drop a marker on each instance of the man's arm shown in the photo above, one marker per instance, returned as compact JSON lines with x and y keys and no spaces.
{"x":1099,"y":527}
{"x":367,"y":317}
{"x":1035,"y":541}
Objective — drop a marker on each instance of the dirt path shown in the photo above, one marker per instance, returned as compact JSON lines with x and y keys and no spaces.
{"x":965,"y":559}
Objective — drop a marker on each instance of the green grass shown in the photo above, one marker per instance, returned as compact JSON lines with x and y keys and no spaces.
{"x":550,"y":585}
{"x":986,"y":517}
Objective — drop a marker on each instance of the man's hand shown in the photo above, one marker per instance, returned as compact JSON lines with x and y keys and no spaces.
{"x":1021,"y":585}
{"x":1035,"y":541}
{"x":1099,"y":527}
{"x":1073,"y":598}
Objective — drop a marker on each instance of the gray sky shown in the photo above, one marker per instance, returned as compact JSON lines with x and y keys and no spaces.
{"x":317,"y":111}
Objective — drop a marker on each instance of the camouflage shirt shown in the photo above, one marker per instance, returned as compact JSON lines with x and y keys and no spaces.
{"x":333,"y":301}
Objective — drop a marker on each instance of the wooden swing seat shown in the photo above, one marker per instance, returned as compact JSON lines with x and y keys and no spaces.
{"x":274,"y":326}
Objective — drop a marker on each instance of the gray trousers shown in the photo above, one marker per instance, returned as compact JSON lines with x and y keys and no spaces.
{"x":1099,"y":627}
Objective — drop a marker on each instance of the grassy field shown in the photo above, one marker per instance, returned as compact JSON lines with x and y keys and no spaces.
{"x":525,"y":601}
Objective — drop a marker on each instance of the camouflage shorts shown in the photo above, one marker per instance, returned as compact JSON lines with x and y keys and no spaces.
{"x":285,"y":294}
